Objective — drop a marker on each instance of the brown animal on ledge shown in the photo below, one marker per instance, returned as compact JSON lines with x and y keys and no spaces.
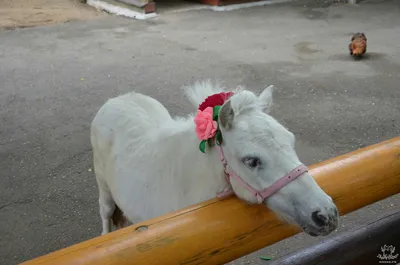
{"x":358,"y":45}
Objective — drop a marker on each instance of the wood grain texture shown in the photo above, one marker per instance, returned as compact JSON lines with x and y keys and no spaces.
{"x":219,"y":231}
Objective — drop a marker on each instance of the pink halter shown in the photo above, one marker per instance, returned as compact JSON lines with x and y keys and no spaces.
{"x":260,"y":195}
{"x":207,"y":116}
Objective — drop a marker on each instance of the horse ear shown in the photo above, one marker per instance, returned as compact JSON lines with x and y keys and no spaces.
{"x":265,"y":98}
{"x":226,"y":115}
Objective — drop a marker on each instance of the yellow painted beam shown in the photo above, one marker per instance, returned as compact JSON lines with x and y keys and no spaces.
{"x":219,"y":231}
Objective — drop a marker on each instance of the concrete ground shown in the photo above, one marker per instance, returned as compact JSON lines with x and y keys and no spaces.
{"x":53,"y":79}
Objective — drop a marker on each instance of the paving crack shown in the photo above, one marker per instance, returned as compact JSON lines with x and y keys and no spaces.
{"x":16,"y":202}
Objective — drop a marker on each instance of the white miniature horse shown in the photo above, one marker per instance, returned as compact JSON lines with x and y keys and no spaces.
{"x":148,"y":164}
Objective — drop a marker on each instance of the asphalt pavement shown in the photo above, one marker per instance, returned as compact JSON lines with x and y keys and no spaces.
{"x":53,"y":79}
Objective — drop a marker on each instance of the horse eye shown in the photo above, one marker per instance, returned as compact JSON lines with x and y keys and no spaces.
{"x":251,"y":162}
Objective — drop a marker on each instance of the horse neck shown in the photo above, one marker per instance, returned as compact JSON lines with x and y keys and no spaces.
{"x":200,"y":174}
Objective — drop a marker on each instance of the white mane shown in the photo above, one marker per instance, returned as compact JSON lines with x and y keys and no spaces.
{"x":244,"y":100}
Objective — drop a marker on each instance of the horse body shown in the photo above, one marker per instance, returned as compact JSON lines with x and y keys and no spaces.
{"x":148,"y":164}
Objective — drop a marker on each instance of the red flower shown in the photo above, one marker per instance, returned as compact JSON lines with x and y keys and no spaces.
{"x":215,"y":100}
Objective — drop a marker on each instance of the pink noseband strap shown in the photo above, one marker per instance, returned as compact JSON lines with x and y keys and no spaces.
{"x":260,"y":195}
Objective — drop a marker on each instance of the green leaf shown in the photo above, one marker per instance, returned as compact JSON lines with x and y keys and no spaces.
{"x":218,"y":138}
{"x":202,"y":146}
{"x":216,"y":112}
{"x":265,"y":258}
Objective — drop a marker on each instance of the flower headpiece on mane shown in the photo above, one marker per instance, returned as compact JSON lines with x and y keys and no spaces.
{"x":206,"y":119}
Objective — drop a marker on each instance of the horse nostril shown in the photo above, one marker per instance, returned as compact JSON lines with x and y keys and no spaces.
{"x":319,"y":219}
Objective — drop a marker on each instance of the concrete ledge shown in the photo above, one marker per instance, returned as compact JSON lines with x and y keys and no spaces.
{"x":138,"y":3}
{"x":146,"y":11}
{"x":123,"y":9}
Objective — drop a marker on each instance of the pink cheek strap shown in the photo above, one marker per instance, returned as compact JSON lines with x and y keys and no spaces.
{"x":260,"y":195}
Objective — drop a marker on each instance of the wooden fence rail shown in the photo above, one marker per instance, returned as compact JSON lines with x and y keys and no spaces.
{"x":219,"y":231}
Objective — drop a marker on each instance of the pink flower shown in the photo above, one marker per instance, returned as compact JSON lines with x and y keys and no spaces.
{"x":206,"y":127}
